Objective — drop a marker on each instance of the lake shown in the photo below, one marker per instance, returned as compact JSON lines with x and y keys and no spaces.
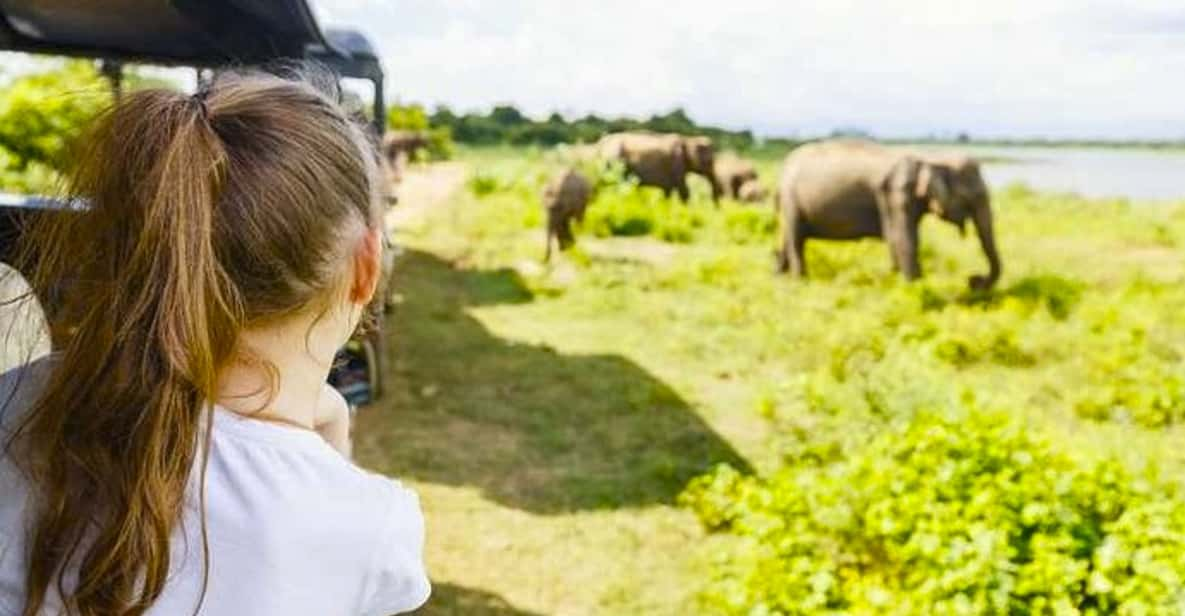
{"x":1140,"y":174}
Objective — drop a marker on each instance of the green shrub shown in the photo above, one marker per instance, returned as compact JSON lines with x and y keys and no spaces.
{"x":629,"y":210}
{"x":749,"y":224}
{"x":1000,"y":347}
{"x":1132,"y":387}
{"x":40,"y":115}
{"x":482,"y":184}
{"x":962,"y":515}
{"x":1057,"y":294}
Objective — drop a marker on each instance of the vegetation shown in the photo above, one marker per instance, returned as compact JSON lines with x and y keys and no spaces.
{"x":655,"y":423}
{"x":952,"y":514}
{"x":505,"y":124}
{"x":689,"y":433}
{"x":40,"y":115}
{"x":413,"y":117}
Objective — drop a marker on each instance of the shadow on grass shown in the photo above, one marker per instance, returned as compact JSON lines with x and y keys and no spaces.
{"x":529,"y":427}
{"x":450,"y":600}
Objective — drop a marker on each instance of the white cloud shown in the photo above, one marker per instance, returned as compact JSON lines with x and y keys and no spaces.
{"x":1008,"y":67}
{"x":1084,"y":68}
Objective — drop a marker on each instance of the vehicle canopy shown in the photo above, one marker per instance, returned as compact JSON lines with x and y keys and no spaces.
{"x":196,"y":33}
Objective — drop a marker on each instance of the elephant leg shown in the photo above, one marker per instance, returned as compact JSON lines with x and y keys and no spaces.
{"x":681,"y":189}
{"x":792,"y":252}
{"x":552,"y":233}
{"x":890,"y":237}
{"x":905,"y":250}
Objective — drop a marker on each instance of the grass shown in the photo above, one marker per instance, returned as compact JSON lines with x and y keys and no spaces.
{"x":550,"y":415}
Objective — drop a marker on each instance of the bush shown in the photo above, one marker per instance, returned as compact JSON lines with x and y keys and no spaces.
{"x":40,"y":114}
{"x":1131,"y":385}
{"x":414,"y":117}
{"x":629,"y":210}
{"x":945,"y":515}
{"x":482,"y":184}
{"x":749,"y":224}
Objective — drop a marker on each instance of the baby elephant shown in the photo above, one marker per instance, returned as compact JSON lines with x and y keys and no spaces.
{"x":732,"y":173}
{"x":564,"y":198}
{"x":752,"y":192}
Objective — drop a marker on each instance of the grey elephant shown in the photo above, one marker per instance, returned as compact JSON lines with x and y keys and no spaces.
{"x":565,"y":197}
{"x":732,"y":173}
{"x":662,"y":160}
{"x":752,"y":191}
{"x":399,"y":147}
{"x":850,"y":189}
{"x":403,"y":144}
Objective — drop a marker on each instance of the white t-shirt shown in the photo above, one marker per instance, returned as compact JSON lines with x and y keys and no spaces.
{"x":294,"y":528}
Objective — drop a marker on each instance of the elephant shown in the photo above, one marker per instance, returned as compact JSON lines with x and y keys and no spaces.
{"x":565,"y":197}
{"x":399,"y":147}
{"x":732,"y":173}
{"x":663,"y":160}
{"x":850,"y":189}
{"x":403,"y":144}
{"x":752,"y":192}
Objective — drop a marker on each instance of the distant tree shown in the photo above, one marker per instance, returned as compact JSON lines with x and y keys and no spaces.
{"x":442,"y":116}
{"x":675,"y":121}
{"x":506,"y":124}
{"x":40,"y":114}
{"x":407,"y":117}
{"x":507,"y":115}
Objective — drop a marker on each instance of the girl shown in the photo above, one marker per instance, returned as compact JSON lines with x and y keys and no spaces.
{"x":181,"y":453}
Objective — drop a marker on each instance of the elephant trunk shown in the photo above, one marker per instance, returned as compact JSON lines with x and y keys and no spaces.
{"x":987,"y":239}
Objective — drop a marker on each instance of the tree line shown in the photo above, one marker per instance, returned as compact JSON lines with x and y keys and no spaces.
{"x":506,"y":124}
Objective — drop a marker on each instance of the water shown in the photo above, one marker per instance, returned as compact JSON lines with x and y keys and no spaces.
{"x":1091,"y":172}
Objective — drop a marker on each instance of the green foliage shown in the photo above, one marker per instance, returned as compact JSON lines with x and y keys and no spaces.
{"x":413,"y":117}
{"x":481,"y":184}
{"x":407,"y":117}
{"x":1056,"y":293}
{"x":630,"y":210}
{"x":505,"y":124}
{"x":40,"y":114}
{"x":1130,"y":384}
{"x":817,"y":383}
{"x":967,"y":514}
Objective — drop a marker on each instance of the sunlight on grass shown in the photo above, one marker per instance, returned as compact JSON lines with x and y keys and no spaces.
{"x":586,"y":394}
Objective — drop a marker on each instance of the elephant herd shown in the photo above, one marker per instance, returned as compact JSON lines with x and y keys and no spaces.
{"x":841,"y":189}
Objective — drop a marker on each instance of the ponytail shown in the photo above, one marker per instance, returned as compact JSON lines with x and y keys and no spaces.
{"x":112,"y":440}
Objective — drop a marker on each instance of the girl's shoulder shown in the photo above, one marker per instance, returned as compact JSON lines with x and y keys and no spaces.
{"x":19,"y":387}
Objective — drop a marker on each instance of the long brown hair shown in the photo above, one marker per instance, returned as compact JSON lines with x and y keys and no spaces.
{"x":202,"y":215}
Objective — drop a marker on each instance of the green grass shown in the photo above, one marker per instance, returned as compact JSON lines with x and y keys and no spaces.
{"x":550,"y":415}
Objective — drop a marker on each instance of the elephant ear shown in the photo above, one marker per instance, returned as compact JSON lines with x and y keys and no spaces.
{"x":903,"y":178}
{"x":934,"y":187}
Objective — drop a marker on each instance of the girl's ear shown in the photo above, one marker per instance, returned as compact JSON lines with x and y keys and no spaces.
{"x":368,"y":257}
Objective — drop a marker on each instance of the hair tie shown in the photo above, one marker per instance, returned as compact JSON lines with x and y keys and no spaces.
{"x":199,"y":97}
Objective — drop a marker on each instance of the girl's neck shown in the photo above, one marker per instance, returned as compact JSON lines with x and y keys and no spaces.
{"x":280,"y":373}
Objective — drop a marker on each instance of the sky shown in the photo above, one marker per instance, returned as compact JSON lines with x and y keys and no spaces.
{"x":992,"y":68}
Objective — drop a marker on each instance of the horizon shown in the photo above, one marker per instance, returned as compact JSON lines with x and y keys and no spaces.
{"x":1021,"y":70}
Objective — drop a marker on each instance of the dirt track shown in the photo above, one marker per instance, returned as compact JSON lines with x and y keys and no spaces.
{"x":424,"y":187}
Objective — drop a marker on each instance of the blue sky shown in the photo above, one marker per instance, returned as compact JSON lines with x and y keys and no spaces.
{"x":1055,"y":68}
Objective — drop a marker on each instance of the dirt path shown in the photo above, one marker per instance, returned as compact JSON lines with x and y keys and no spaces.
{"x":424,"y":187}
